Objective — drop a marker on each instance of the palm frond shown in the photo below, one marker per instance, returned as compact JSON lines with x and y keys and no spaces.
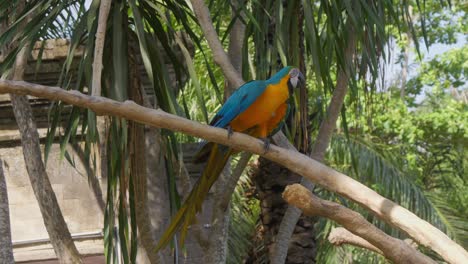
{"x":244,"y":215}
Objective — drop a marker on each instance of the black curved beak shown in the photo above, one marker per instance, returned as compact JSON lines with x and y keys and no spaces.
{"x":301,"y":78}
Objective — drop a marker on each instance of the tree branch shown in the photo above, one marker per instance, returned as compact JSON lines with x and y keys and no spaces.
{"x":236,"y":42}
{"x":104,"y":9}
{"x":219,"y":55}
{"x":230,"y":184}
{"x":394,"y":249}
{"x":422,"y":232}
{"x":341,"y":235}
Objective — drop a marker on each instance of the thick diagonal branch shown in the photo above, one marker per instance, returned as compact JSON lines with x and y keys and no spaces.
{"x":399,"y":217}
{"x":54,"y":222}
{"x":219,"y":54}
{"x":394,"y":249}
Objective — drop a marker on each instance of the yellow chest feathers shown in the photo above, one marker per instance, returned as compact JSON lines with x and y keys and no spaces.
{"x":264,"y":108}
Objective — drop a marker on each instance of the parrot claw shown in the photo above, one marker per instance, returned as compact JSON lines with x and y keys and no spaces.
{"x":230,"y":132}
{"x":266,"y":144}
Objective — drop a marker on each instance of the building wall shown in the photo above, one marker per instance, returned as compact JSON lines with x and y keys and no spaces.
{"x":75,"y":197}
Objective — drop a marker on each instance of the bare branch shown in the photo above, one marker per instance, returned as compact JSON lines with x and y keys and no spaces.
{"x":104,"y":9}
{"x":100,"y":150}
{"x":422,"y":232}
{"x":219,"y":55}
{"x":230,"y":184}
{"x":341,"y":235}
{"x":236,"y":42}
{"x":394,"y":249}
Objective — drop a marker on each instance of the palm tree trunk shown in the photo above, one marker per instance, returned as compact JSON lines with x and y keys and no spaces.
{"x":291,"y":237}
{"x":270,"y":181}
{"x":6,"y":248}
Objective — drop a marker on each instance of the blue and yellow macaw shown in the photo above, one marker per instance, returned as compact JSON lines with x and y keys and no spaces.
{"x":257,"y":108}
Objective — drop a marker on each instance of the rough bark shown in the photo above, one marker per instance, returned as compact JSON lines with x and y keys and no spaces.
{"x":6,"y":248}
{"x":393,"y":249}
{"x":54,"y":222}
{"x":299,"y":246}
{"x":397,"y":216}
{"x":270,"y":181}
{"x":319,"y":148}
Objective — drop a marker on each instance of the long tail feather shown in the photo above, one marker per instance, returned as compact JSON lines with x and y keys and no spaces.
{"x":218,"y":157}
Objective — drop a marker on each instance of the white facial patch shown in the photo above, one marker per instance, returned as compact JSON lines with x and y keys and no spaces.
{"x":294,"y":77}
{"x":294,"y":81}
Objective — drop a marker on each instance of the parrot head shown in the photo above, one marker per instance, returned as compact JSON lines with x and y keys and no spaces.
{"x":295,"y":77}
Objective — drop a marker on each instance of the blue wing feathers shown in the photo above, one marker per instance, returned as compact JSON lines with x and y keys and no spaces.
{"x":238,"y":102}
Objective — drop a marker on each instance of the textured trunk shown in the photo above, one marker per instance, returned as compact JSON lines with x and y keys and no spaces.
{"x":270,"y":180}
{"x":289,"y":246}
{"x":6,"y":249}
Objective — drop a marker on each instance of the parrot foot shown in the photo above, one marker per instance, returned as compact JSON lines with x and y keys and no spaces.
{"x":266,"y":144}
{"x":230,"y":132}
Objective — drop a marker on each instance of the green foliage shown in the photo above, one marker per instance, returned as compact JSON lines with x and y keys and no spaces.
{"x":446,"y":73}
{"x":244,"y":216}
